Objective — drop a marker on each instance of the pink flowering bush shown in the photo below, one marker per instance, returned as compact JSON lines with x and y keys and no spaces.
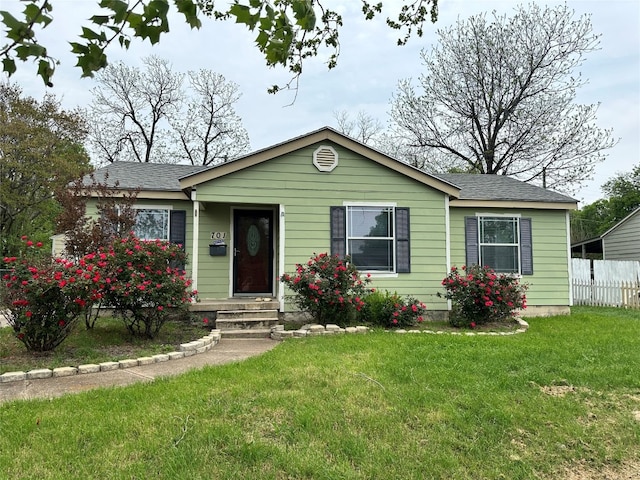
{"x":391,"y":310}
{"x":43,"y":298}
{"x":329,"y":288}
{"x":479,"y":296}
{"x":145,"y":283}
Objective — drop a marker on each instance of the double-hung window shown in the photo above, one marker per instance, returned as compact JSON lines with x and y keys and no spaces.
{"x":500,"y":242}
{"x":376,"y":237}
{"x":152,"y":223}
{"x":499,"y":245}
{"x":370,"y":238}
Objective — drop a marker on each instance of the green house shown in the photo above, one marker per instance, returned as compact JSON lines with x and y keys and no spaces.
{"x":247,"y":221}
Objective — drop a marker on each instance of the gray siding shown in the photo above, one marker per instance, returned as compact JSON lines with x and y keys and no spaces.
{"x":623,"y":242}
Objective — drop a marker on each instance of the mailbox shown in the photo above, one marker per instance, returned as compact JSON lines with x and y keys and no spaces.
{"x":218,"y":249}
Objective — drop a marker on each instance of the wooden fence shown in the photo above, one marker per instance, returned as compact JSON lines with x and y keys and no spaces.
{"x":609,"y":293}
{"x":612,"y":283}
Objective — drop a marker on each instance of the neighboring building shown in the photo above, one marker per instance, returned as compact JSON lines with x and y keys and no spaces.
{"x":247,"y":221}
{"x":620,"y":242}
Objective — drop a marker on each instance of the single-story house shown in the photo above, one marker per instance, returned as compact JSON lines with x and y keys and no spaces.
{"x":247,"y":221}
{"x":620,"y":242}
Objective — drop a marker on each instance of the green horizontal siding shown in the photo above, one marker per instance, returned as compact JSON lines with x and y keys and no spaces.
{"x":213,"y":272}
{"x":307,"y":195}
{"x":549,"y":284}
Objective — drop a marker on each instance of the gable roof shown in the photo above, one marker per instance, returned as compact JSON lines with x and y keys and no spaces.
{"x":465,"y":190}
{"x":476,"y":187}
{"x":320,"y":135}
{"x":621,"y":222}
{"x":595,"y":245}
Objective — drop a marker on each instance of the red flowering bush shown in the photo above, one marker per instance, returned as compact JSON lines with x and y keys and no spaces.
{"x":392,"y":310}
{"x":479,"y":295}
{"x":43,"y":297}
{"x":145,"y":283}
{"x":329,"y":288}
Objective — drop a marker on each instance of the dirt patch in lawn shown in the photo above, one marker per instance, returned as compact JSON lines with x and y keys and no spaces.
{"x":560,"y":390}
{"x":628,"y":470}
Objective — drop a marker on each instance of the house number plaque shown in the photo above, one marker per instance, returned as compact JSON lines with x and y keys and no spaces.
{"x":218,"y":235}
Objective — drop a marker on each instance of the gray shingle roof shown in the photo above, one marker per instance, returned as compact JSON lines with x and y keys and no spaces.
{"x":500,"y":187}
{"x":145,"y":176}
{"x":165,"y":177}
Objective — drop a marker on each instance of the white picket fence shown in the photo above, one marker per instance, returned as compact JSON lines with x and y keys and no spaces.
{"x":606,"y":283}
{"x":603,"y":293}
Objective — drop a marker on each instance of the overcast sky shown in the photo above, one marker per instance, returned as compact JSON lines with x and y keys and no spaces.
{"x":367,"y":74}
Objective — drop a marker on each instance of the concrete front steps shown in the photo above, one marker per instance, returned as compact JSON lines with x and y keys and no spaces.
{"x":240,"y":317}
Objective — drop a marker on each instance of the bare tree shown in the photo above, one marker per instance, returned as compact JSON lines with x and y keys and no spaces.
{"x":130,"y":110}
{"x":148,"y":116}
{"x":210,"y":131}
{"x":397,"y":147}
{"x":364,"y":127}
{"x":498,"y":98}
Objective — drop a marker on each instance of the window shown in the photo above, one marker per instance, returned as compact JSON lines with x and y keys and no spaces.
{"x":370,"y":238}
{"x":376,"y":237}
{"x":500,"y":242}
{"x":152,"y":224}
{"x":499,"y":248}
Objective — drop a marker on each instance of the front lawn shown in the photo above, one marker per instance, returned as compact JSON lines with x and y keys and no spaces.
{"x":107,"y":341}
{"x":560,"y":401}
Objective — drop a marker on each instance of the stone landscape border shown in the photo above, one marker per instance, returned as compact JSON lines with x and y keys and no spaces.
{"x":279,"y":333}
{"x":207,"y":342}
{"x":195,"y":347}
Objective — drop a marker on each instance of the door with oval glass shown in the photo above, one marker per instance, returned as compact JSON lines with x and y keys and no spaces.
{"x":253,"y":252}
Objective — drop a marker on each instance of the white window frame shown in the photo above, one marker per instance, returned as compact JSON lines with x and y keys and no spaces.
{"x":167,"y":208}
{"x":390,"y":205}
{"x":516,"y":217}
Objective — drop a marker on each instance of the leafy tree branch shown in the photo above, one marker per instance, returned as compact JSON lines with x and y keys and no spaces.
{"x":288,"y":31}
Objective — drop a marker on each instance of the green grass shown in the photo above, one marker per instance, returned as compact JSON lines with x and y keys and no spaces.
{"x":561,"y":396}
{"x":107,"y":341}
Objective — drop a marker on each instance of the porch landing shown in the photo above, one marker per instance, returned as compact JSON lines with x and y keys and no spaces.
{"x":250,"y":317}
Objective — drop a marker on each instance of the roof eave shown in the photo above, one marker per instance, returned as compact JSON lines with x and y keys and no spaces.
{"x":513,"y":204}
{"x":147,"y":194}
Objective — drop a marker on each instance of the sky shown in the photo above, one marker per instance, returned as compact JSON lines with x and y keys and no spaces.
{"x":369,"y":68}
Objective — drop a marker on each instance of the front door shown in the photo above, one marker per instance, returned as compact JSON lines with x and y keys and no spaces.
{"x":253,"y":252}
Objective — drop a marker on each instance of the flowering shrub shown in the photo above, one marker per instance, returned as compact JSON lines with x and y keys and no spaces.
{"x":43,"y":297}
{"x":144,"y":283}
{"x":329,"y":288}
{"x":479,"y":295}
{"x":392,"y":311}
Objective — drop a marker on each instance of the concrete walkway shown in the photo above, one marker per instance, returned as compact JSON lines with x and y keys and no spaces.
{"x":226,"y":351}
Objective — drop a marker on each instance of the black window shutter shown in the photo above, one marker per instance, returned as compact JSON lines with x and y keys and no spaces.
{"x":178,"y":227}
{"x":471,"y":240}
{"x":338,"y":231}
{"x":526,"y":247}
{"x":403,"y":247}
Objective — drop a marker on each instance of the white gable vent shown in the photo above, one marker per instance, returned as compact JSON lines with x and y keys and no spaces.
{"x":325,"y":158}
